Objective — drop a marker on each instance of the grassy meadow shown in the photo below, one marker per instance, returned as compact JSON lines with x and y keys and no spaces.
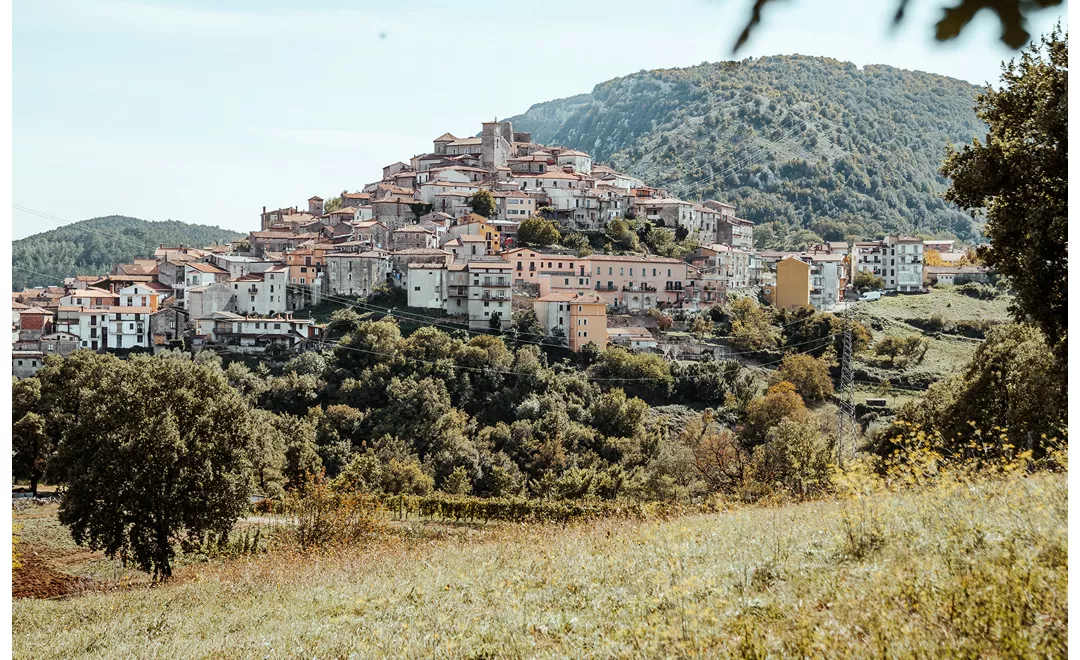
{"x":904,"y":315}
{"x":961,"y":571}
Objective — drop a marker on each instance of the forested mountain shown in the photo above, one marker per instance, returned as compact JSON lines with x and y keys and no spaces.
{"x":806,"y":147}
{"x":91,"y":247}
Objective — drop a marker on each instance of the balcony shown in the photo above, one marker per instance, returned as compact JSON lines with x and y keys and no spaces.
{"x":641,"y":288}
{"x":494,"y":295}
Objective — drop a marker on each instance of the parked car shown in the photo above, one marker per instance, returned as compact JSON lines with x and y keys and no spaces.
{"x":870,"y":295}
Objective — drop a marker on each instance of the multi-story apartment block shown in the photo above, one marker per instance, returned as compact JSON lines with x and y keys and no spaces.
{"x":828,"y":279}
{"x":129,"y":327}
{"x":514,"y":205}
{"x":489,"y":293}
{"x":580,"y":318}
{"x":898,"y":260}
{"x":141,"y":295}
{"x":732,"y":266}
{"x":89,"y":324}
{"x":626,"y":281}
{"x":736,"y":232}
{"x":262,"y":293}
{"x":638,"y":283}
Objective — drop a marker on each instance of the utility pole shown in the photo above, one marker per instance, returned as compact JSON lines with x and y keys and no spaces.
{"x":847,"y":429}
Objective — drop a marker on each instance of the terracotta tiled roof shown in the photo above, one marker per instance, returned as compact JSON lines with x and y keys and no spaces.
{"x":204,"y":267}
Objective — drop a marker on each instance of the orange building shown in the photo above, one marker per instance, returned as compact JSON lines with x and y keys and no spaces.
{"x":306,"y":263}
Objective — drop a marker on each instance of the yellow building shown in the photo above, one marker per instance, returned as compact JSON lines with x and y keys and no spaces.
{"x":792,"y":283}
{"x":477,"y":225}
{"x":588,"y":321}
{"x":581,"y":318}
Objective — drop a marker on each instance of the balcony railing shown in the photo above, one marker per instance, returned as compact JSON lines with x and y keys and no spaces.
{"x":494,"y":295}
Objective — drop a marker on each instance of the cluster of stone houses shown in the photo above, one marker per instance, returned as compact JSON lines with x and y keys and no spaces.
{"x":414,"y":230}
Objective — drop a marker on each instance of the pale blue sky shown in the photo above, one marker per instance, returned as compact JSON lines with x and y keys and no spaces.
{"x":206,"y":111}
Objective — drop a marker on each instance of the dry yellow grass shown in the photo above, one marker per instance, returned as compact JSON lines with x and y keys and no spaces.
{"x":961,"y":572}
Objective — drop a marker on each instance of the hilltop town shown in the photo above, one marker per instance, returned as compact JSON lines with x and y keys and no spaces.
{"x":442,"y":231}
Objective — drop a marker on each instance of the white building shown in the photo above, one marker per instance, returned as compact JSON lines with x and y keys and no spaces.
{"x":252,"y":335}
{"x":427,"y":285}
{"x":90,"y":325}
{"x":580,"y":161}
{"x":489,"y":293}
{"x":140,"y":295}
{"x":898,"y":260}
{"x":129,"y":327}
{"x":827,"y":279}
{"x":262,"y":293}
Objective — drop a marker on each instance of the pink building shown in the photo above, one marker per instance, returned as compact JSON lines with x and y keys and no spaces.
{"x":624,"y":281}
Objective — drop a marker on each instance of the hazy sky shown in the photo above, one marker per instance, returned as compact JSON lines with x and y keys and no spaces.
{"x":206,"y":111}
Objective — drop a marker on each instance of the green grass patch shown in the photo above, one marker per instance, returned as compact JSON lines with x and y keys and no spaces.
{"x":942,"y":573}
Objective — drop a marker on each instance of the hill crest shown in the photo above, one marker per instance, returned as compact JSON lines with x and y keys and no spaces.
{"x":806,"y":147}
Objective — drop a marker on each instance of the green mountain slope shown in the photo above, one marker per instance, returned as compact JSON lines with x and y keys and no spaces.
{"x":91,"y":247}
{"x":806,"y":147}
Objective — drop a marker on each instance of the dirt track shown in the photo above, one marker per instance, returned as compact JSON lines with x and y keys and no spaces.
{"x":38,"y":576}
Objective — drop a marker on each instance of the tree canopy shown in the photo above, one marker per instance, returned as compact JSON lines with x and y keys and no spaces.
{"x":538,"y":232}
{"x":1018,"y":177}
{"x":158,"y":455}
{"x":482,"y":203}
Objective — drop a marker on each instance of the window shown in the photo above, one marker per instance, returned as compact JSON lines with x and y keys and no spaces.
{"x":579,"y":308}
